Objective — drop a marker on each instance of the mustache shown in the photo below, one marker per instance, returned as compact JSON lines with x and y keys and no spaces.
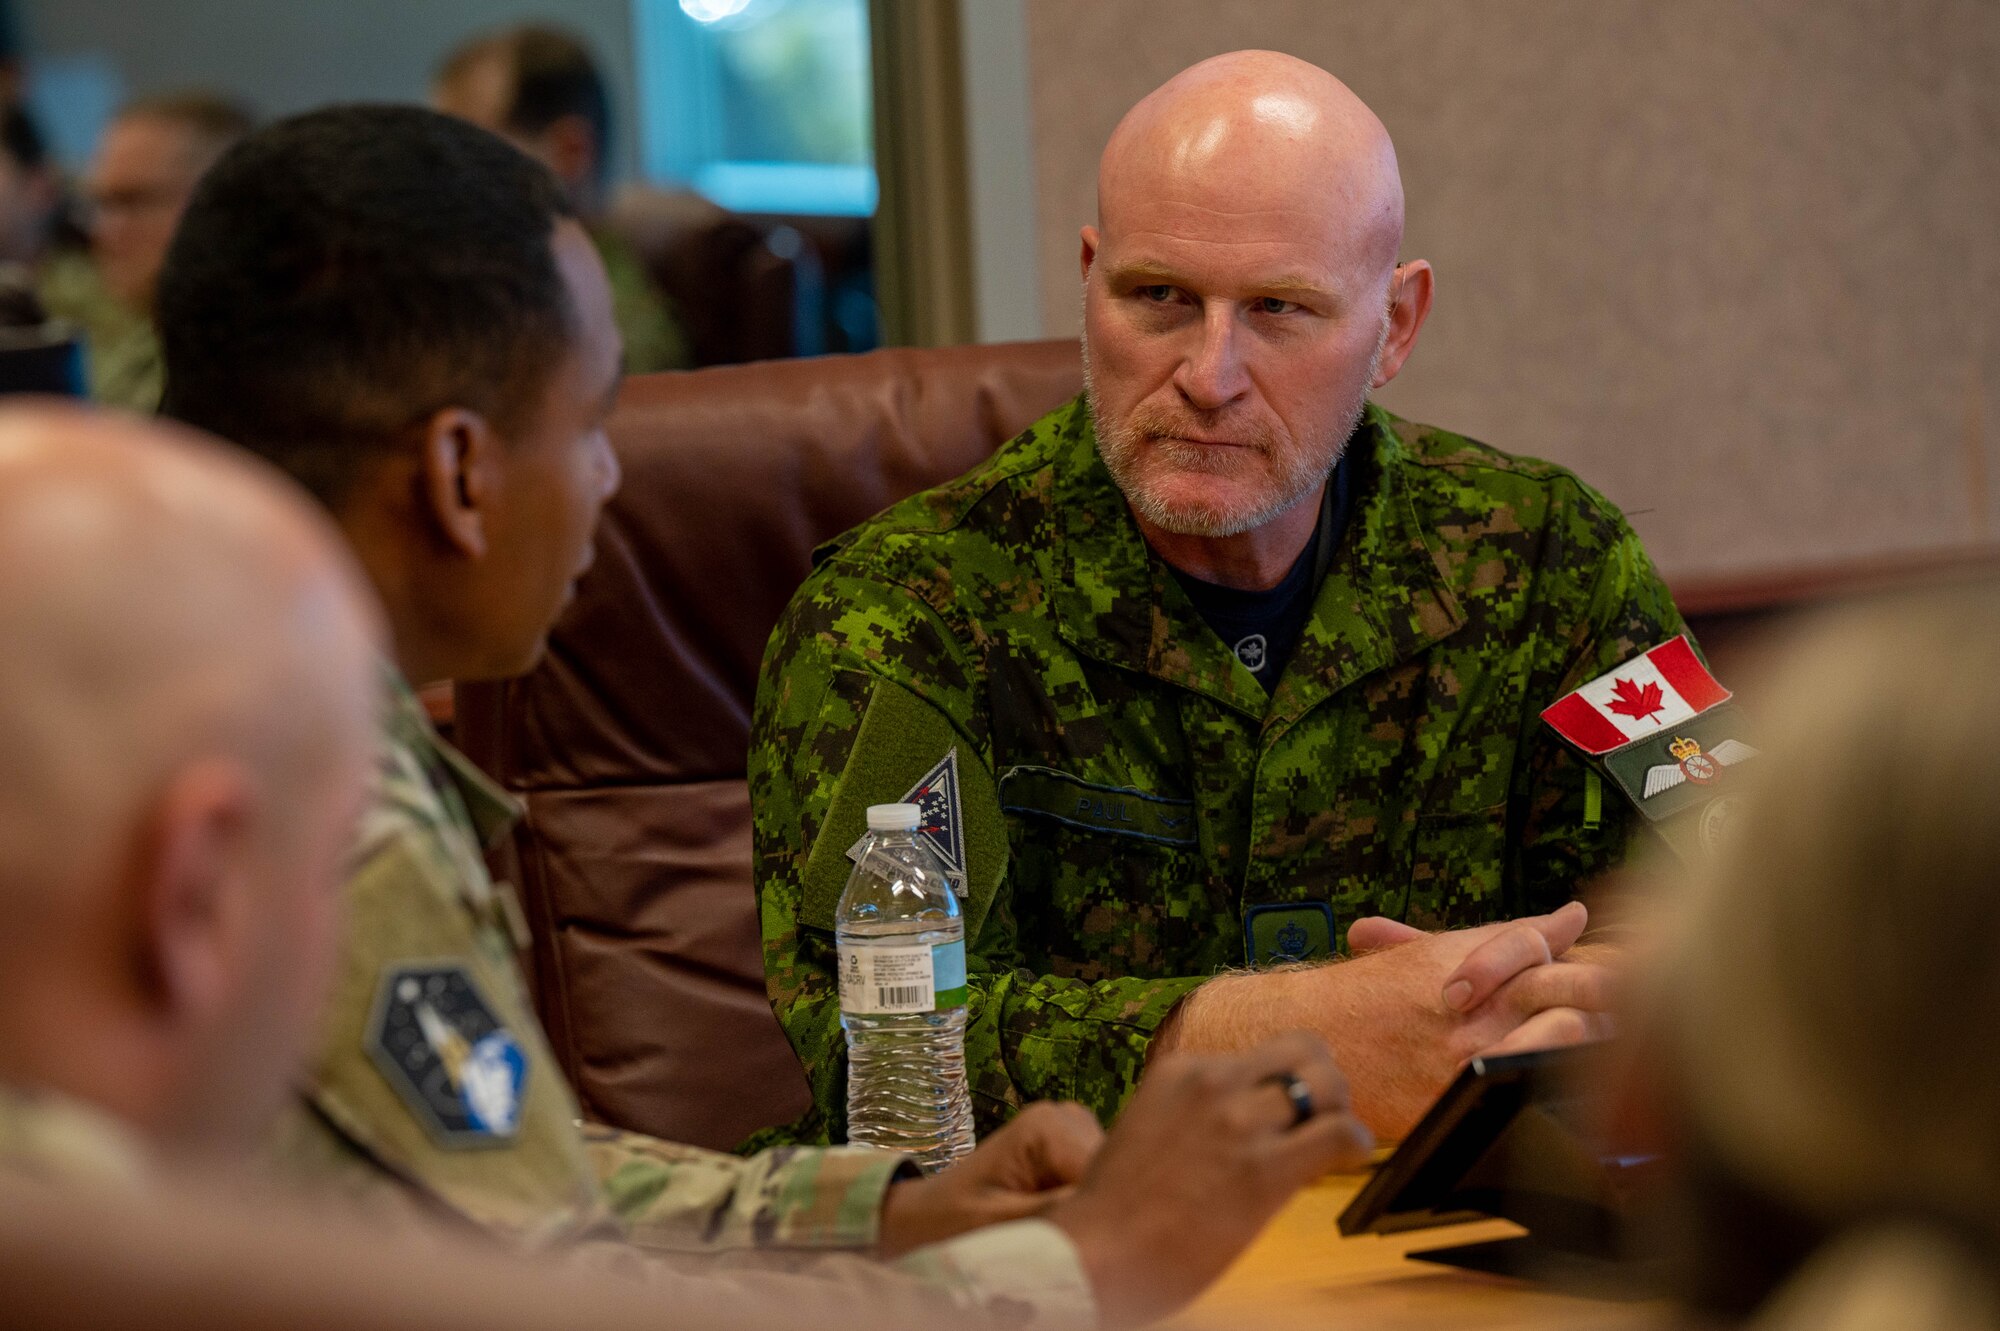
{"x":1153,"y":424}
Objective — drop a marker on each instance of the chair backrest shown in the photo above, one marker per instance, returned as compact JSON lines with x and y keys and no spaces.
{"x":741,"y":288}
{"x":628,"y":742}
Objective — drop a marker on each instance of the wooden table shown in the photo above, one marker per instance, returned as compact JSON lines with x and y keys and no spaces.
{"x":1302,"y":1273}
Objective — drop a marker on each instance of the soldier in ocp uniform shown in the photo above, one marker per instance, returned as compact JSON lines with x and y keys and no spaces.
{"x":398,"y":308}
{"x":1218,"y":659}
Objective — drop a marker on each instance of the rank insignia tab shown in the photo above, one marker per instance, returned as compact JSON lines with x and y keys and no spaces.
{"x":1279,"y":933}
{"x":434,"y":1038}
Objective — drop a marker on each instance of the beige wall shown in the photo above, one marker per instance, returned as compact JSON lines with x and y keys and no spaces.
{"x":1738,"y":261}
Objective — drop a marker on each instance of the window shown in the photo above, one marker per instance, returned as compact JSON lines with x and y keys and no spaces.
{"x":761,"y":105}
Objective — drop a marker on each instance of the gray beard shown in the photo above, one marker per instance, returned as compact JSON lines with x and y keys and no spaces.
{"x":1120,"y":448}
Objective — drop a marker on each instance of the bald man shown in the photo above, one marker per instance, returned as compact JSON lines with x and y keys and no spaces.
{"x":187,"y":701}
{"x":1217,"y":659}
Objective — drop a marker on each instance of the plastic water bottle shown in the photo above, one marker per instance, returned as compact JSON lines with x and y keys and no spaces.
{"x":902,"y":995}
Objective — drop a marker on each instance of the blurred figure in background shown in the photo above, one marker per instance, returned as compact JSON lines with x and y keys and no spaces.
{"x":539,"y":88}
{"x":1831,"y":1021}
{"x":187,"y":688}
{"x":145,"y":170}
{"x":30,"y":190}
{"x":37,"y":354}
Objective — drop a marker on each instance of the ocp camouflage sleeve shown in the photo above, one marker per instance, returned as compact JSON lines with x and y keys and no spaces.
{"x":1138,"y":811}
{"x":683,"y":1198}
{"x":1020,"y":1276}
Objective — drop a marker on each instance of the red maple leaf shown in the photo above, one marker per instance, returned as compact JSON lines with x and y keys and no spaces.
{"x":1637,"y":701}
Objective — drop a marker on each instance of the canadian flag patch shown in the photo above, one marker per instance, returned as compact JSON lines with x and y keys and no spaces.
{"x":1665,"y":687}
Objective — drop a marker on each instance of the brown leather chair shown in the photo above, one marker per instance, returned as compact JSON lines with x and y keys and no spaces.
{"x":629,"y":741}
{"x":740,"y":286}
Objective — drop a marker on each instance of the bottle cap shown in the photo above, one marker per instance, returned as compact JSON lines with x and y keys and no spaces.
{"x":894,"y":817}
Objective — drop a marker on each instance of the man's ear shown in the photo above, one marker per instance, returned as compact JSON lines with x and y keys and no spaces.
{"x":458,"y":477}
{"x":196,"y":887}
{"x":1409,"y":306}
{"x":1091,"y":240}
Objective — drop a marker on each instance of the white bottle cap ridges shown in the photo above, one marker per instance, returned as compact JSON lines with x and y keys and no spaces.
{"x":894,"y":817}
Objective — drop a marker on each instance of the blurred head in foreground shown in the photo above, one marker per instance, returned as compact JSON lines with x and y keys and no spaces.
{"x":144,"y":172}
{"x":400,"y":310}
{"x":186,"y":704}
{"x":1833,"y":1012}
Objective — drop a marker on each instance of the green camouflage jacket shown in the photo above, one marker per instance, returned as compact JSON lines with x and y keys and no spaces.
{"x":436,"y":1095}
{"x":1121,"y":792}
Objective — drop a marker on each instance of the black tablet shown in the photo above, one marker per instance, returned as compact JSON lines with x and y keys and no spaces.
{"x":1507,"y":1140}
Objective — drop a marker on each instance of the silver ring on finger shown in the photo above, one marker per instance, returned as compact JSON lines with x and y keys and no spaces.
{"x":1299,"y":1094}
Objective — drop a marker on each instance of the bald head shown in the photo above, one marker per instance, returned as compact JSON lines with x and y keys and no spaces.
{"x":185,"y":704}
{"x":1242,"y":297}
{"x":1254,"y":131}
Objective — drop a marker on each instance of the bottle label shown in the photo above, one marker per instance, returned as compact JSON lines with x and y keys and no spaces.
{"x":880,"y":981}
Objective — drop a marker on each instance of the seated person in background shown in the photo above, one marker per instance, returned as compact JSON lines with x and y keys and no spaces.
{"x":1216,"y":659}
{"x":539,"y":88}
{"x":1829,"y":1040}
{"x":30,"y":191}
{"x":187,"y":693}
{"x":146,"y":167}
{"x":398,"y":309}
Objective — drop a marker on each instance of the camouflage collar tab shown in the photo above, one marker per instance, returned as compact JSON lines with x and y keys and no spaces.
{"x":492,"y":810}
{"x":1384,"y":600}
{"x":1044,"y":792}
{"x":1285,"y":932}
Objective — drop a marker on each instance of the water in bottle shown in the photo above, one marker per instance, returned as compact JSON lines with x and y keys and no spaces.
{"x":902,"y":995}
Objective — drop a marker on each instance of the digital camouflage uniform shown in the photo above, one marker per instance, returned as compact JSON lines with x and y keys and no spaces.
{"x":429,"y":930}
{"x":1128,"y":790}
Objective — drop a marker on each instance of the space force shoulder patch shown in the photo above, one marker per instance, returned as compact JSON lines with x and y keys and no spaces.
{"x":1663,"y":730}
{"x":437,"y":1042}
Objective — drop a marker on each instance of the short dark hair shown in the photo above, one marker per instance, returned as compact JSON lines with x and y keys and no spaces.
{"x":551,"y":74}
{"x":341,"y":276}
{"x":21,"y":138}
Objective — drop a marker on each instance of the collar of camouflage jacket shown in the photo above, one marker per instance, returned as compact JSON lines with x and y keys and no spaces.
{"x":50,"y":1136}
{"x":1385,"y":597}
{"x":489,"y":809}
